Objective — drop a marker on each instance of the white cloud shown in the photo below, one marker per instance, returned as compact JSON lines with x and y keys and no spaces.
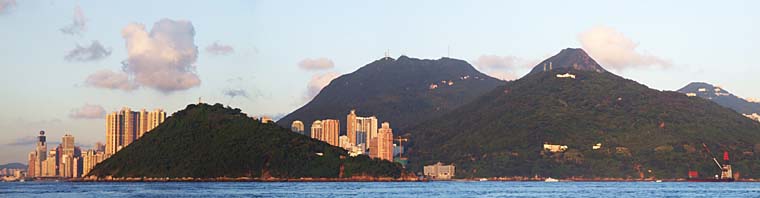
{"x":232,"y":93}
{"x":614,"y":50}
{"x":502,"y":75}
{"x":161,"y":59}
{"x":78,"y":25}
{"x":317,"y":82}
{"x":316,"y":64}
{"x":88,"y":111}
{"x":496,"y":62}
{"x":501,"y":67}
{"x":6,"y":5}
{"x":219,"y":49}
{"x":95,"y":51}
{"x":110,"y":80}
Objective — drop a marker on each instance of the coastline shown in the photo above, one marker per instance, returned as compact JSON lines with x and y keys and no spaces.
{"x":367,"y":179}
{"x":249,"y":179}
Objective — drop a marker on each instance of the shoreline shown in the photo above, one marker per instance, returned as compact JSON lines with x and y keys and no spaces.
{"x":248,"y":179}
{"x":363,"y":179}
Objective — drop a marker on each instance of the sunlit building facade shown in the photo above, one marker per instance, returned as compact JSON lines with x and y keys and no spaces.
{"x":381,"y":146}
{"x":331,"y":130}
{"x":297,"y":127}
{"x":125,"y":126}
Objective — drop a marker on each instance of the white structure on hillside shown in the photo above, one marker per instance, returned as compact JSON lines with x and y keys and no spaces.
{"x":554,"y":148}
{"x":597,"y":146}
{"x":753,"y":116}
{"x":566,"y":75}
{"x":691,"y":94}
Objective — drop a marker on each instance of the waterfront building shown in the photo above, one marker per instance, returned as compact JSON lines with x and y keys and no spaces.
{"x":91,"y":158}
{"x":330,"y":131}
{"x":66,"y":166}
{"x":360,"y":130}
{"x":381,"y":146}
{"x":125,"y":126}
{"x":76,"y":170}
{"x":316,"y":130}
{"x":50,"y":167}
{"x":37,"y":156}
{"x":297,"y":127}
{"x":366,"y":129}
{"x":351,"y":127}
{"x":67,"y":145}
{"x":438,"y":171}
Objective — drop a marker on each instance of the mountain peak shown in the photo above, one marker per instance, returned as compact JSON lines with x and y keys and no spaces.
{"x":569,"y":58}
{"x":721,"y":96}
{"x":403,"y":91}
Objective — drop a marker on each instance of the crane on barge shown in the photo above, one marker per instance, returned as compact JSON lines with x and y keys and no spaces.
{"x":726,"y":172}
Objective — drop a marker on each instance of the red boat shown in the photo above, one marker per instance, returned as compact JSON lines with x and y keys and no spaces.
{"x":726,"y":173}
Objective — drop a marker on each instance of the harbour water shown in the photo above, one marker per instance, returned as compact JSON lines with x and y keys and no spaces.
{"x":379,"y":189}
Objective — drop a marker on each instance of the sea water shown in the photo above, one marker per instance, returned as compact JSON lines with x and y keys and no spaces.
{"x":378,"y":189}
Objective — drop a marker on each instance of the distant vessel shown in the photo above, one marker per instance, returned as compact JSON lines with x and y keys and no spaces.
{"x":726,"y":172}
{"x":551,"y":180}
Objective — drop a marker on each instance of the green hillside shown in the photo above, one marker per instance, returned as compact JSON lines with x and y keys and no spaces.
{"x":397,"y":91}
{"x":204,"y":141}
{"x":502,"y":133}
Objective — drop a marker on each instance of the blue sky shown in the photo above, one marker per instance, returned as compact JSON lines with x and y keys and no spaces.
{"x":268,"y":50}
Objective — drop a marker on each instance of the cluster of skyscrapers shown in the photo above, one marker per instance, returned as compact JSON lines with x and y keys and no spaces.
{"x":125,"y":126}
{"x":362,"y":135}
{"x":68,"y":161}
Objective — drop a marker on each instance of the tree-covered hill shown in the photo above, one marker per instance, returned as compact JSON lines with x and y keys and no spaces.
{"x":403,"y":91}
{"x":640,"y":129}
{"x":204,"y":141}
{"x":722,"y":97}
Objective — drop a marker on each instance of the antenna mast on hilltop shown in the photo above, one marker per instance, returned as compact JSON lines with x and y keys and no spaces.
{"x":448,"y":51}
{"x":199,"y":100}
{"x":387,"y":53}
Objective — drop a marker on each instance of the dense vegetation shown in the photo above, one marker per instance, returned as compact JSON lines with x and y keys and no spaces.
{"x":728,"y":100}
{"x":397,"y":91}
{"x":206,"y":141}
{"x":644,"y":132}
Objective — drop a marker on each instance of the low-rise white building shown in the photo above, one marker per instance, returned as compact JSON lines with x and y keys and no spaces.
{"x":753,"y":116}
{"x":566,"y":75}
{"x":554,"y":148}
{"x":596,"y":146}
{"x":438,"y":171}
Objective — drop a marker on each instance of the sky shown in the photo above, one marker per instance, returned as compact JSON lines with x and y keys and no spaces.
{"x":65,"y":64}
